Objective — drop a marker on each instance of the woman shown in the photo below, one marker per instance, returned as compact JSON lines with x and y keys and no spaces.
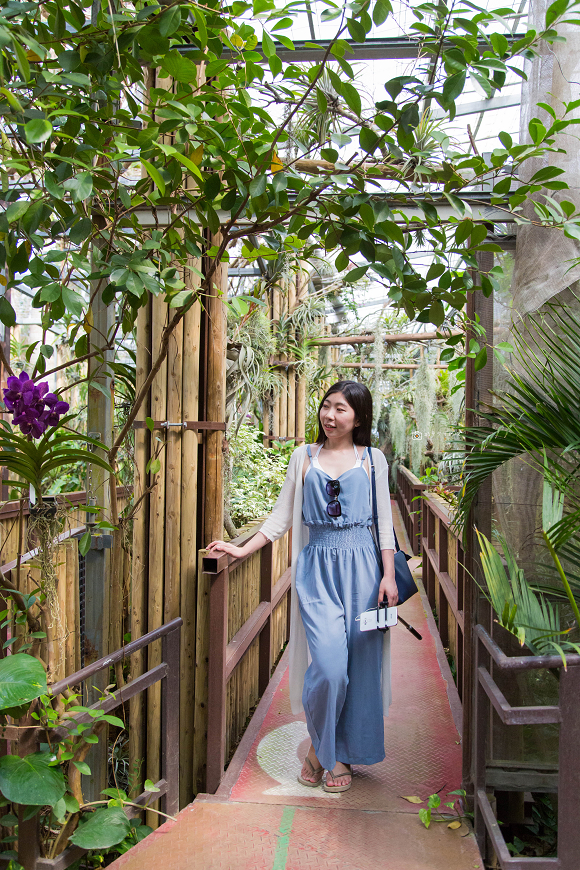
{"x":335,"y":669}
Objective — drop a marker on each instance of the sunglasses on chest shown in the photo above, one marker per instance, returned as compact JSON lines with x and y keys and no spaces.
{"x":333,"y":508}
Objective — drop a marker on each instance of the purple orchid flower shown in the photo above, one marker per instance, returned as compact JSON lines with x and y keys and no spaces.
{"x":34,"y":409}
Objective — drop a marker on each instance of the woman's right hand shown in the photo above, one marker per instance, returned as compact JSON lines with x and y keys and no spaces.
{"x":226,"y":547}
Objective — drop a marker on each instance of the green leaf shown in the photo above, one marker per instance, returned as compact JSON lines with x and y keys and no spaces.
{"x":102,"y":829}
{"x":201,"y":27}
{"x":22,"y":679}
{"x":500,"y":43}
{"x":31,"y":780}
{"x":155,"y":175}
{"x":352,"y":98}
{"x":480,"y":360}
{"x":258,"y":185}
{"x":212,"y":186}
{"x":73,"y":302}
{"x":153,"y":466}
{"x":555,"y":11}
{"x":80,"y":186}
{"x":179,"y":68}
{"x":82,"y":767}
{"x":170,"y":21}
{"x":356,"y":30}
{"x":437,"y":313}
{"x":356,"y":274}
{"x":16,"y":210}
{"x":425,"y":816}
{"x":85,"y":544}
{"x":368,"y":139}
{"x":7,"y":313}
{"x":463,"y":231}
{"x":150,"y":786}
{"x":268,"y":46}
{"x":21,"y":60}
{"x":381,"y":11}
{"x":37,"y":130}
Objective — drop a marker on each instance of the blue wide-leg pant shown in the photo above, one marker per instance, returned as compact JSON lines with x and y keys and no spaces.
{"x":342,"y":696}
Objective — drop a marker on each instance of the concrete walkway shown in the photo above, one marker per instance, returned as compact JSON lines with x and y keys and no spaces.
{"x":263,"y":819}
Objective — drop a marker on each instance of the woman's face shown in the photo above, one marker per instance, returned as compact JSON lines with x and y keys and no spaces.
{"x":337,"y":418}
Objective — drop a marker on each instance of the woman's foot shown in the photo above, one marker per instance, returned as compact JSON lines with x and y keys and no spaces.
{"x":312,"y":770}
{"x":339,"y":779}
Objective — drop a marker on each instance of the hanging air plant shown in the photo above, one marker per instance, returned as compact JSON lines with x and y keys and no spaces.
{"x":439,"y":434}
{"x":416,"y":452}
{"x":456,"y":400}
{"x":379,"y":356}
{"x":398,"y":430}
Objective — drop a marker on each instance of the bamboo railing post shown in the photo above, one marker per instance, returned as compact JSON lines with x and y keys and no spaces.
{"x":156,"y":549}
{"x":174,"y":438}
{"x":140,"y":566}
{"x":215,"y":404}
{"x":189,"y":476}
{"x":275,"y":319}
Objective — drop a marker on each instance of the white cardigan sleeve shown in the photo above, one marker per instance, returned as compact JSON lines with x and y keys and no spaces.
{"x":281,"y":517}
{"x":383,"y":501}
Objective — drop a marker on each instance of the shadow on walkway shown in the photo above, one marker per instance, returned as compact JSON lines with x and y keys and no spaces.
{"x":262,"y":819}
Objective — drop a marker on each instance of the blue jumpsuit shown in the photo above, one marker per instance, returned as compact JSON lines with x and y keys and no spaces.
{"x":337,"y":578}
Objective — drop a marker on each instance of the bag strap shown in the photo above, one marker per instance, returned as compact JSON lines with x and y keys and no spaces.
{"x":376,"y":511}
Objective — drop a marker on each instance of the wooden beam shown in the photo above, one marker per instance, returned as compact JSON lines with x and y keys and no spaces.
{"x":405,"y":366}
{"x":370,"y":339}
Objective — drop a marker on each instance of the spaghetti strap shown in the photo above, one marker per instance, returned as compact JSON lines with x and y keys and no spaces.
{"x":308,"y":452}
{"x":318,"y":451}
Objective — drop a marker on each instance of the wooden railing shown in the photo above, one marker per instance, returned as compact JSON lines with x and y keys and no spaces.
{"x":409,"y":489}
{"x":249,"y":617}
{"x":166,"y":673}
{"x":481,"y":664}
{"x":444,"y":577}
{"x":488,"y":658}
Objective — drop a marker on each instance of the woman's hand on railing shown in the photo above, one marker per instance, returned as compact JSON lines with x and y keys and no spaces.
{"x":226,"y":547}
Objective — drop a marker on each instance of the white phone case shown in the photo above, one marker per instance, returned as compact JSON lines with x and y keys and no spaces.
{"x":387,"y":618}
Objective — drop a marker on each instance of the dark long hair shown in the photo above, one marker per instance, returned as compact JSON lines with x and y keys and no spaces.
{"x":360,"y":400}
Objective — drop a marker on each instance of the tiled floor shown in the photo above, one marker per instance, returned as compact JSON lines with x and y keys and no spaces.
{"x":263,"y":819}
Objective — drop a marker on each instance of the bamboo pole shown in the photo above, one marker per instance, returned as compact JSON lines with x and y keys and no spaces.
{"x":71,"y":607}
{"x":139,"y":568}
{"x":156,"y":550}
{"x":275,"y":317}
{"x":189,"y":476}
{"x":369,"y":339}
{"x":215,"y":404}
{"x":172,"y":592}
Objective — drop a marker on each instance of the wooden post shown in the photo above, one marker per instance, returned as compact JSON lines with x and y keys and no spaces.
{"x":265,"y":648}
{"x":140,"y":563}
{"x":215,"y":405}
{"x":174,"y":438}
{"x":216,"y":730}
{"x":275,"y":318}
{"x":188,"y":519}
{"x":156,"y":549}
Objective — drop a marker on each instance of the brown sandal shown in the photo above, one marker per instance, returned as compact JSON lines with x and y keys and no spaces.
{"x":314,"y":770}
{"x":335,"y":776}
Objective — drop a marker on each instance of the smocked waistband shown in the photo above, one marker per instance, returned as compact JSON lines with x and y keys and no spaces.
{"x":340,"y":538}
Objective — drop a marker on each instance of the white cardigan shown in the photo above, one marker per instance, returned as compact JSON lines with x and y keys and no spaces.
{"x":287,"y":512}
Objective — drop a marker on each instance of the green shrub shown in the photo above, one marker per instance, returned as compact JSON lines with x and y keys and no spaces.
{"x":257,"y":476}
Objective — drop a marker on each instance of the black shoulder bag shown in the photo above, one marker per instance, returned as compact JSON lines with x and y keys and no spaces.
{"x":403,"y":577}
